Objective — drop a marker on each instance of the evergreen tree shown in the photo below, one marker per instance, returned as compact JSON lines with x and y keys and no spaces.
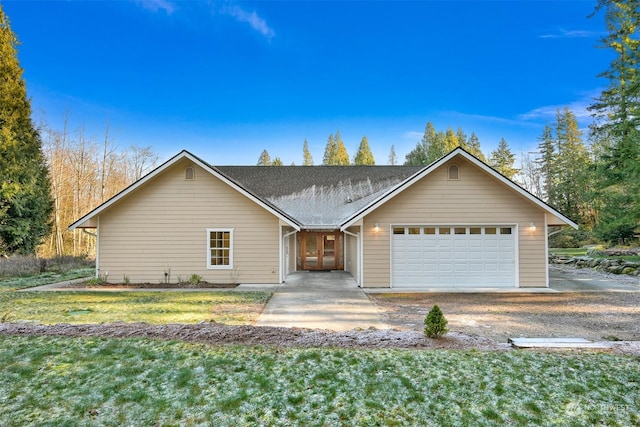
{"x":330,"y":151}
{"x":462,"y":139}
{"x":450,"y":141}
{"x":393,"y":159}
{"x":502,"y":160}
{"x":307,"y":160}
{"x":429,"y":149}
{"x":547,"y":164}
{"x":437,"y":146}
{"x":364,"y":156}
{"x":342,"y":157}
{"x":618,"y":113}
{"x":264,"y":159}
{"x":25,"y":199}
{"x":571,"y":169}
{"x":277,"y":162}
{"x":474,"y":147}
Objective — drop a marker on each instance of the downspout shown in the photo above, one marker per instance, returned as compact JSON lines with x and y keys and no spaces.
{"x":283,"y":273}
{"x":359,"y":260}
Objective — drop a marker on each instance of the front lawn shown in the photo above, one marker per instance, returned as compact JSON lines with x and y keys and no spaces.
{"x":232,"y":308}
{"x":46,"y":278}
{"x":90,"y":381}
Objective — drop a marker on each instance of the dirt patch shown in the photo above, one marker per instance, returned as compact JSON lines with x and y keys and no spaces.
{"x":219,"y":334}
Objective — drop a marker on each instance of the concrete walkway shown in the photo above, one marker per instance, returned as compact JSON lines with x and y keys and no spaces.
{"x":321,"y":300}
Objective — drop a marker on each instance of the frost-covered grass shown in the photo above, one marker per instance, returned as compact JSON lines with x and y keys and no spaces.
{"x":13,"y":283}
{"x":82,"y":381}
{"x":232,"y":308}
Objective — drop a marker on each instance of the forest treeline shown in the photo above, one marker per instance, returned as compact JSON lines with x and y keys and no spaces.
{"x":51,"y":177}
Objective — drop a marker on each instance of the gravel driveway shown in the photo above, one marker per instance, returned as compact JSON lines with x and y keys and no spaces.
{"x":606,"y":308}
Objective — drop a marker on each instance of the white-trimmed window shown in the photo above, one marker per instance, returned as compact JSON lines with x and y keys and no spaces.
{"x":220,"y":248}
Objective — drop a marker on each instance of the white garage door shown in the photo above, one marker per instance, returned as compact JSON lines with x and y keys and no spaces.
{"x":453,"y":256}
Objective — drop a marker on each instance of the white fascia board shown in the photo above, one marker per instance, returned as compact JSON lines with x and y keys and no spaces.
{"x":181,"y":155}
{"x":435,"y":165}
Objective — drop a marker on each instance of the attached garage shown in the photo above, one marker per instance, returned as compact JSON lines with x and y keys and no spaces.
{"x":448,"y":256}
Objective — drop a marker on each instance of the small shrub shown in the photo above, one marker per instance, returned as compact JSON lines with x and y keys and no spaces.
{"x":435,"y":323}
{"x":126,"y":280}
{"x":194,"y":279}
{"x":96,"y":281}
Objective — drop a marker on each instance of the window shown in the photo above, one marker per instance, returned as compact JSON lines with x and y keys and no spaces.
{"x":220,"y":248}
{"x":445,"y":230}
{"x":490,"y":230}
{"x":453,"y":172}
{"x":505,"y":230}
{"x":414,"y":230}
{"x":189,"y":173}
{"x":398,"y":230}
{"x":460,"y":230}
{"x":475,"y":230}
{"x":429,"y":230}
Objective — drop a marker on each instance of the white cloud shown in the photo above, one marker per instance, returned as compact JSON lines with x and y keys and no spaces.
{"x":579,"y":108}
{"x":413,"y":135}
{"x":251,"y":18}
{"x":158,"y":5}
{"x":562,"y":33}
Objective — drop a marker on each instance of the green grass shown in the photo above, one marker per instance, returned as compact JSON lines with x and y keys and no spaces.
{"x":87,"y":381}
{"x":568,"y":251}
{"x":151,"y":307}
{"x":14,"y":283}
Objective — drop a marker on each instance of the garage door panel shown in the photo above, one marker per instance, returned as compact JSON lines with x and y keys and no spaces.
{"x":484,"y":256}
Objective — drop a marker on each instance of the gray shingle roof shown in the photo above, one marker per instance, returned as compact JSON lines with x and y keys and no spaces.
{"x":318,"y":195}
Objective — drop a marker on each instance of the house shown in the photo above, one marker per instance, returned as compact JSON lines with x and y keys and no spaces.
{"x":454,"y":223}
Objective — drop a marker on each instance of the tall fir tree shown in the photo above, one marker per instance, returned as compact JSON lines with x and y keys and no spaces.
{"x":330,"y":151}
{"x":342,"y":157}
{"x":25,"y":193}
{"x":617,"y":110}
{"x":572,"y":166}
{"x":474,"y":147}
{"x":364,"y":156}
{"x":264,"y":159}
{"x":393,"y":159}
{"x":503,"y":160}
{"x":307,"y":159}
{"x":547,"y":164}
{"x":428,"y":150}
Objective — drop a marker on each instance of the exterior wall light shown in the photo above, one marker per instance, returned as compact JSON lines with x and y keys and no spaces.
{"x":376,"y":227}
{"x":532,"y":227}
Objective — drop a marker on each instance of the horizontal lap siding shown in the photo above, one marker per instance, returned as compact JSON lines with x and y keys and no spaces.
{"x":163,"y":224}
{"x":476,"y":198}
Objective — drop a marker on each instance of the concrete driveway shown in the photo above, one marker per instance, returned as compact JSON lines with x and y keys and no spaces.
{"x":321,"y":300}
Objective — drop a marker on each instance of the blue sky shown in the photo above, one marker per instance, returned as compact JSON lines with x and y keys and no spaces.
{"x":227,"y":79}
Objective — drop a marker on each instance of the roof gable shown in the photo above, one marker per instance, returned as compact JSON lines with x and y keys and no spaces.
{"x":427,"y":170}
{"x":86,"y":219}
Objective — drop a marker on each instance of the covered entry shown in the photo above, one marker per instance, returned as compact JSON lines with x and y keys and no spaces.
{"x":320,"y":250}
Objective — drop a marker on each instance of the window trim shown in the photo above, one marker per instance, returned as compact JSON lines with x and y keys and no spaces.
{"x":219,"y":267}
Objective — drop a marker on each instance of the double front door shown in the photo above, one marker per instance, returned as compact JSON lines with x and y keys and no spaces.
{"x":320,"y":251}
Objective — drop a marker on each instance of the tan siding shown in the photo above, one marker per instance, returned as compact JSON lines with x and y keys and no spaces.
{"x":163,"y":225}
{"x":476,"y":198}
{"x":352,"y":255}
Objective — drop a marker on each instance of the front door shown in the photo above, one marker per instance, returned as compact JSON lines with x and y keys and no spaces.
{"x":320,"y":251}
